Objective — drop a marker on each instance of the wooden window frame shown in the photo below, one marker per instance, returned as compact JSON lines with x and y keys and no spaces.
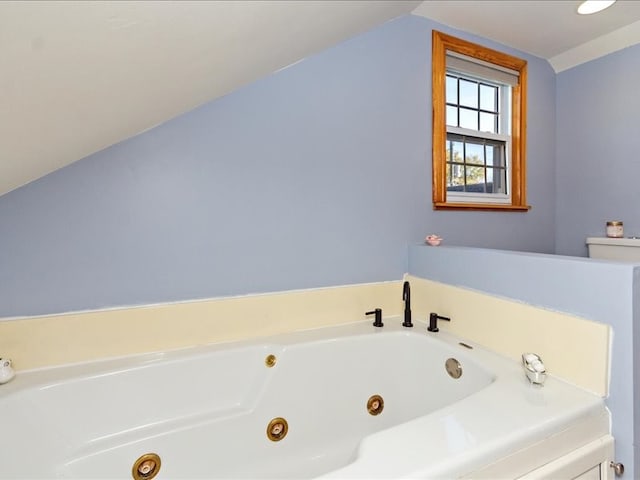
{"x":442,"y":42}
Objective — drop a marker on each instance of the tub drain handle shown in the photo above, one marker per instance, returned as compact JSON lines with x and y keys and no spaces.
{"x":618,"y":468}
{"x":433,"y":321}
{"x":378,"y":319}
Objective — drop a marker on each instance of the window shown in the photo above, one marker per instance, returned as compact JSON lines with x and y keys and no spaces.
{"x":479,"y":112}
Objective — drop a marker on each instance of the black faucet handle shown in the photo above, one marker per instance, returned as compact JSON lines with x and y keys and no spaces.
{"x":433,"y":321}
{"x":378,"y":319}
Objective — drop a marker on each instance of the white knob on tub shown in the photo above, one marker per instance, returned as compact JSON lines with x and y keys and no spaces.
{"x":6,"y":370}
{"x":534,"y":368}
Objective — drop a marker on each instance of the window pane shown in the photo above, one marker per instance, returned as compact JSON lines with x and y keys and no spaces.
{"x":456,"y":152}
{"x":452,"y":90}
{"x":455,"y":176}
{"x":465,"y":167}
{"x":475,"y":153}
{"x":497,"y":181}
{"x":491,"y":186}
{"x":488,"y":122}
{"x":495,"y":155}
{"x":469,"y":119}
{"x":475,"y":179}
{"x":468,"y":93}
{"x":452,"y":116}
{"x":488,"y":98}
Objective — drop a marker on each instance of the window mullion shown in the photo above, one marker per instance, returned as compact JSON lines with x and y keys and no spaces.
{"x":458,"y":100}
{"x":478,"y":104}
{"x":484,"y":163}
{"x":473,"y":133}
{"x":464,"y":164}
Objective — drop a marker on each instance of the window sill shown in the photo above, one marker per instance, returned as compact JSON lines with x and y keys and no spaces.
{"x":481,"y":206}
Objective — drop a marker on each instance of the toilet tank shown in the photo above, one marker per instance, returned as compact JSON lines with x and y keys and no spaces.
{"x":624,"y":249}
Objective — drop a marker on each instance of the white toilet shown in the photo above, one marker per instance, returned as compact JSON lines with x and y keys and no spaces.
{"x":622,"y":249}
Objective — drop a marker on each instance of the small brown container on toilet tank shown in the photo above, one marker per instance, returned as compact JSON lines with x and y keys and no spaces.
{"x":615,"y":229}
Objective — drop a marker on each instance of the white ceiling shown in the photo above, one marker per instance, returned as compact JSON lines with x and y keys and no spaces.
{"x":549,"y":29}
{"x":78,"y":76}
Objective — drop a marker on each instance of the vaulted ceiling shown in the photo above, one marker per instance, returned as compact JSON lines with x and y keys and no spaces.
{"x":78,"y":76}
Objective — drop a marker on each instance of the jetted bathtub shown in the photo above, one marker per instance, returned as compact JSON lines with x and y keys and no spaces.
{"x":352,"y":401}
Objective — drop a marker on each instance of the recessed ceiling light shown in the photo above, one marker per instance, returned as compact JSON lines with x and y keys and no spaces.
{"x":594,"y":6}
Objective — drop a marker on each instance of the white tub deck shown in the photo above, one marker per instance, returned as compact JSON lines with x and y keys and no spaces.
{"x":204,"y":411}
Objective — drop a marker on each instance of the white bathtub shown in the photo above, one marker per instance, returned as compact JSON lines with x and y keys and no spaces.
{"x":205,"y":411}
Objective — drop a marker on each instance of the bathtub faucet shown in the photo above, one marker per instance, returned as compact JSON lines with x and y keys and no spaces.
{"x":406,"y":296}
{"x":433,"y":321}
{"x":378,"y":317}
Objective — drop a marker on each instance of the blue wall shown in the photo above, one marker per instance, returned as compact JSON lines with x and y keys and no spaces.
{"x":316,"y":175}
{"x":602,"y":291}
{"x":597,"y":149}
{"x":320,"y":175}
{"x":598,"y":168}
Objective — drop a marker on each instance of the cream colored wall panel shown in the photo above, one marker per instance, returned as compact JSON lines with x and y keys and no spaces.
{"x":69,"y":338}
{"x":572,"y":348}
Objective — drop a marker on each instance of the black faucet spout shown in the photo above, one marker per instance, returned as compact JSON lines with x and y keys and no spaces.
{"x":406,"y":296}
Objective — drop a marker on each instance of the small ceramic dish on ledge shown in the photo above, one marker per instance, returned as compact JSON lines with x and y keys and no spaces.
{"x":433,"y":240}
